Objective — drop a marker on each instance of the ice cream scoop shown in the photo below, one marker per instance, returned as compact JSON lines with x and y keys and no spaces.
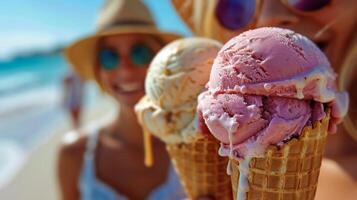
{"x":265,"y":86}
{"x":176,"y":76}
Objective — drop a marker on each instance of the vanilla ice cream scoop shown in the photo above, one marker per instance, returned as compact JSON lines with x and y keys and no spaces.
{"x":179,"y":71}
{"x":176,"y":76}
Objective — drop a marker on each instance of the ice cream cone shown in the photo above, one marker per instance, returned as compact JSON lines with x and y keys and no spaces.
{"x":201,"y":170}
{"x":289,"y":172}
{"x":176,"y":76}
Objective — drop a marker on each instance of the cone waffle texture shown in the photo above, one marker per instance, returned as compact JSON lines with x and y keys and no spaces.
{"x":201,"y":170}
{"x":290,"y":172}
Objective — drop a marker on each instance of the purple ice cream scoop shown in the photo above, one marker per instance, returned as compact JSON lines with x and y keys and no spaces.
{"x":265,"y":86}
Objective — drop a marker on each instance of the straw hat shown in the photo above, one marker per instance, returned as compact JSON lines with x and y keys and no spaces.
{"x":116,"y":17}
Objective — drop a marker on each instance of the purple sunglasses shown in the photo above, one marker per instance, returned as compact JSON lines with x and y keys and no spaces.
{"x":237,"y":14}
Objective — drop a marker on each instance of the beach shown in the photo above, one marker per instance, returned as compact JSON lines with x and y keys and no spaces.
{"x":39,"y":164}
{"x":33,"y":120}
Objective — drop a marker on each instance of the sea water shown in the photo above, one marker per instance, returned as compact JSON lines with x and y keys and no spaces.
{"x":31,"y":94}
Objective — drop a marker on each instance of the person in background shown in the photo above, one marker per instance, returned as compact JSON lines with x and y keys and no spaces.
{"x":73,"y":97}
{"x":332,"y":25}
{"x":108,"y":161}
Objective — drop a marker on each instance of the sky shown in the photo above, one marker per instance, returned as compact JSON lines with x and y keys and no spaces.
{"x":43,"y":24}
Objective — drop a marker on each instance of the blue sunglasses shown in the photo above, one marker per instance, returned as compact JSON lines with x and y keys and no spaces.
{"x":237,"y":14}
{"x":140,"y":54}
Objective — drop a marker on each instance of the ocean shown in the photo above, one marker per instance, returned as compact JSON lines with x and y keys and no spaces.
{"x":28,"y":86}
{"x":31,"y":105}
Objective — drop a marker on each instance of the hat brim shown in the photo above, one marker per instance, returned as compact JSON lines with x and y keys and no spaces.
{"x":81,"y":54}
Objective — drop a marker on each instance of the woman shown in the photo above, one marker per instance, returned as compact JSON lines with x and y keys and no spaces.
{"x":331,"y":24}
{"x":108,"y":163}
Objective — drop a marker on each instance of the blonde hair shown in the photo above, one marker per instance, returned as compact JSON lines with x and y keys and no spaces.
{"x":347,"y":72}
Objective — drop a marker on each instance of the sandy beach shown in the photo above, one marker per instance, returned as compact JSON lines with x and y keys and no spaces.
{"x":27,"y":161}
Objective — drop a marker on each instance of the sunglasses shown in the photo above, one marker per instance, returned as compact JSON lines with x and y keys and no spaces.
{"x":237,"y":14}
{"x":140,"y":55}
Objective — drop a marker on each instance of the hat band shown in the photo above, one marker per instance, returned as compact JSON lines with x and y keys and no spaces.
{"x":126,"y":22}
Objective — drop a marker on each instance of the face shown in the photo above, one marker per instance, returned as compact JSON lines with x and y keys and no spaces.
{"x":329,"y":23}
{"x":122,"y":62}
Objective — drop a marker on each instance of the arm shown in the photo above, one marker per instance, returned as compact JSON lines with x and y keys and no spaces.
{"x":69,"y":164}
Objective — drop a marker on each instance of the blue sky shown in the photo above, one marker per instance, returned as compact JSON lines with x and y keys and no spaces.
{"x":41,"y":24}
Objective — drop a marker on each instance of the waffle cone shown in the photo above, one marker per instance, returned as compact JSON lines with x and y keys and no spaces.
{"x":201,"y":170}
{"x":290,"y":172}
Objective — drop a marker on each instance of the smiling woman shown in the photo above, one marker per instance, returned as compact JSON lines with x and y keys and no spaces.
{"x":117,"y":57}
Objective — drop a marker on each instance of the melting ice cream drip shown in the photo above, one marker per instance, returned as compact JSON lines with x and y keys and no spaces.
{"x":229,"y":168}
{"x":243,"y":186}
{"x":231,"y":125}
{"x":318,"y":76}
{"x":222,"y":152}
{"x":299,"y":89}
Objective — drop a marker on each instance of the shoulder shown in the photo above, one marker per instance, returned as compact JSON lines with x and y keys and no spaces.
{"x":69,"y":163}
{"x":73,"y":144}
{"x":71,"y":152}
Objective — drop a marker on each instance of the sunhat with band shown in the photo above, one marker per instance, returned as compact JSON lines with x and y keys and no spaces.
{"x":116,"y":17}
